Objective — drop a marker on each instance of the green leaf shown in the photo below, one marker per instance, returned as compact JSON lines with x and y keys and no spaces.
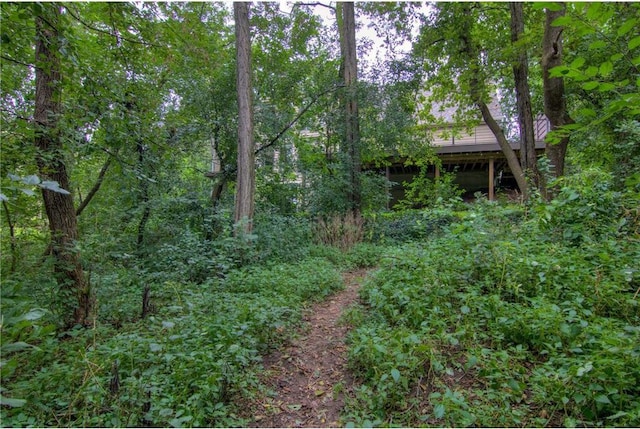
{"x":590,"y":113}
{"x":593,"y":10}
{"x":584,"y":369}
{"x":577,"y":63}
{"x":605,"y":87}
{"x":3,"y":197}
{"x":602,"y":399}
{"x":395,"y":374}
{"x":591,"y":71}
{"x":438,"y":411}
{"x":12,"y":402}
{"x":178,"y":423}
{"x":616,"y":57}
{"x":589,"y":86}
{"x":634,"y":43}
{"x":618,"y":415}
{"x":31,"y":180}
{"x":52,"y":185}
{"x":606,"y":68}
{"x":155,"y":347}
{"x":33,"y":314}
{"x":17,"y":346}
{"x":598,"y":44}
{"x":627,"y":26}
{"x":561,"y":21}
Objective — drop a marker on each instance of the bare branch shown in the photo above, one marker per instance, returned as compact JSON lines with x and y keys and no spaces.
{"x":116,"y":36}
{"x":95,"y":188}
{"x":4,"y":57}
{"x":315,"y":4}
{"x":298,"y":116}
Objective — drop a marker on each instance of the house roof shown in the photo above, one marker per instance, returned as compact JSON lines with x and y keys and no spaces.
{"x":447,"y":113}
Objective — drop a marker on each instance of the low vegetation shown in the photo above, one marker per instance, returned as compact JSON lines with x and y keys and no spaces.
{"x":509,"y":317}
{"x":487,"y":315}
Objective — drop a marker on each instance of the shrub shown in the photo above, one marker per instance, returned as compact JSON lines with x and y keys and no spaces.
{"x":341,"y":231}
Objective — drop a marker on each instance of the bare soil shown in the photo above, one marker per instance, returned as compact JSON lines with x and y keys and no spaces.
{"x":309,"y":378}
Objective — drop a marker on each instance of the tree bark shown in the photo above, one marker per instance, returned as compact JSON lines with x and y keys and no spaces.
{"x":555,"y":105}
{"x":74,"y":292}
{"x":245,"y":188}
{"x":347,"y":27}
{"x":528,"y":158}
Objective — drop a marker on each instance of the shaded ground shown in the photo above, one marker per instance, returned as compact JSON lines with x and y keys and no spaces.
{"x":309,"y":378}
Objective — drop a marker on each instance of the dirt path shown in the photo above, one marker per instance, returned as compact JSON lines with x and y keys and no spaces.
{"x":309,"y":377}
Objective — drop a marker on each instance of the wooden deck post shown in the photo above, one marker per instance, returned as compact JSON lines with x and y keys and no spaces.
{"x":437,"y":175}
{"x":491,"y":175}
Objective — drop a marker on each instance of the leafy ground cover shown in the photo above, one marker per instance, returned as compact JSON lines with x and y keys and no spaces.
{"x":184,"y":365}
{"x":476,"y":315}
{"x":503,"y":323}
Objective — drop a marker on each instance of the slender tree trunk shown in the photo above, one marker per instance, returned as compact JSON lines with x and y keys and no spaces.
{"x":95,"y":188}
{"x":245,"y":188}
{"x":144,"y":197}
{"x":75,"y":294}
{"x":12,"y":236}
{"x":507,"y":150}
{"x":347,"y":27}
{"x":476,"y":95}
{"x":555,"y":105}
{"x":528,"y":158}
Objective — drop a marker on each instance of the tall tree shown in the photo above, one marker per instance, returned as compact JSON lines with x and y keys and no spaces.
{"x":462,"y":46}
{"x":555,"y":104}
{"x":345,"y":14}
{"x":528,"y":159}
{"x":475,"y":86}
{"x":245,"y":187}
{"x":74,"y":288}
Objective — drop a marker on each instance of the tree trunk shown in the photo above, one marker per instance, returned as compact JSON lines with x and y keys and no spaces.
{"x":555,"y":105}
{"x":476,"y":95}
{"x":507,"y":150}
{"x":347,"y":26}
{"x":528,"y":158}
{"x":245,"y":188}
{"x":95,"y":188}
{"x":74,"y":293}
{"x":12,"y":236}
{"x":144,"y":197}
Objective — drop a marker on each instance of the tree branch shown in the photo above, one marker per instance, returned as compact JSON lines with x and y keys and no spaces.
{"x":4,"y":57}
{"x":298,"y":116}
{"x":95,"y":188}
{"x":116,"y":36}
{"x":315,"y":4}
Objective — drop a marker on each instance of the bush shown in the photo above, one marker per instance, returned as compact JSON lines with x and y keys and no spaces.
{"x":407,"y":225}
{"x":530,"y":317}
{"x":189,"y":363}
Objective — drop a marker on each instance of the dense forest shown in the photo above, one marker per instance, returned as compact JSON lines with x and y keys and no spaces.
{"x":181,"y":182}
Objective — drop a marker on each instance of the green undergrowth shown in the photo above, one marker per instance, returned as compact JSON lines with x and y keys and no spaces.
{"x":498,"y":322}
{"x":190,"y":362}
